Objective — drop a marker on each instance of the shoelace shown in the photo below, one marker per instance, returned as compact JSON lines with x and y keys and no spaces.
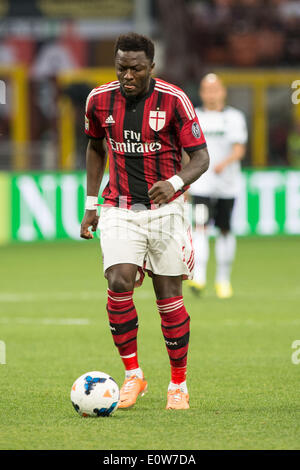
{"x":129,"y":385}
{"x":176,"y":395}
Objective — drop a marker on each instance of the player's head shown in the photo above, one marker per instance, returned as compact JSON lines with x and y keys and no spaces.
{"x":134,"y":56}
{"x":212,"y":92}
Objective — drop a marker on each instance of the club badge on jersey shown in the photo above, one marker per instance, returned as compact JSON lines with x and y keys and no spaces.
{"x":196,"y":130}
{"x":157,"y":120}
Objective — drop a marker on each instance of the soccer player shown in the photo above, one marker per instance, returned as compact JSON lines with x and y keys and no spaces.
{"x":213,"y":195}
{"x":145,"y":123}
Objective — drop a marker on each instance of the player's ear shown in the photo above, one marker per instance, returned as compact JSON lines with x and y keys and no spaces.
{"x":152,"y":67}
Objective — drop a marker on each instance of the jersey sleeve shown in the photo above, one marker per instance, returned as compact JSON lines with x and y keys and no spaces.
{"x":237,"y":132}
{"x":93,"y":128}
{"x":191,"y":136}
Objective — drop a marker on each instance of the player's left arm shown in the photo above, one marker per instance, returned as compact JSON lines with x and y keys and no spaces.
{"x":185,"y":159}
{"x":237,"y":154}
{"x":162,"y":191}
{"x":192,"y":141}
{"x":197,"y":165}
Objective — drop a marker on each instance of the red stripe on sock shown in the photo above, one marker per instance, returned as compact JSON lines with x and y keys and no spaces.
{"x":178,"y":374}
{"x":175,"y":325}
{"x":130,"y":362}
{"x":120,"y":312}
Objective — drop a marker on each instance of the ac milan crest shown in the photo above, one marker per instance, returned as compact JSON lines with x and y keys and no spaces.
{"x":157,"y":120}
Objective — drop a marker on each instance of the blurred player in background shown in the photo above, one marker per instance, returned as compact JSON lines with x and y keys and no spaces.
{"x":145,"y":123}
{"x":213,"y":195}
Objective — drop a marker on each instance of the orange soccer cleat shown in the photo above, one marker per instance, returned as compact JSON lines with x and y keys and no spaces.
{"x":177,"y":400}
{"x":132,"y":387}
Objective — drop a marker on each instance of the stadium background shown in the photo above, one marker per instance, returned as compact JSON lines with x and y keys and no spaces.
{"x":243,"y":361}
{"x":52,"y":53}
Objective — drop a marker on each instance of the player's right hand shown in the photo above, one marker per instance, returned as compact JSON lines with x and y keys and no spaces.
{"x":90,"y":219}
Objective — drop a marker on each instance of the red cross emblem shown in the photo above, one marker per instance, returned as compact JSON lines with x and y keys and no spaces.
{"x":157,"y":120}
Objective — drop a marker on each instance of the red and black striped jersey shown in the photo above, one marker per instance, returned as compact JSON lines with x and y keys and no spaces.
{"x":144,"y":137}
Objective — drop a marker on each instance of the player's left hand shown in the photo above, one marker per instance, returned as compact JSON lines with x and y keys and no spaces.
{"x":161,"y":192}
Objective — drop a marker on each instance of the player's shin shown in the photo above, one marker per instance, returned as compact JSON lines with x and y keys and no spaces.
{"x":123,"y":322}
{"x":175,"y":324}
{"x":225,"y":248}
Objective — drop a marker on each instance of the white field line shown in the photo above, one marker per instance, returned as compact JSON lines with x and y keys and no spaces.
{"x":139,"y":294}
{"x":203,"y":324}
{"x":254,"y":323}
{"x":10,"y":297}
{"x":44,"y":321}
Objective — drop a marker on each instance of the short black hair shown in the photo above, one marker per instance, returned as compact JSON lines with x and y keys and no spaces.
{"x":135,"y":42}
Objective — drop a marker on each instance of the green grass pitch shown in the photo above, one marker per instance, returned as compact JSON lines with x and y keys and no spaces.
{"x":244,"y":387}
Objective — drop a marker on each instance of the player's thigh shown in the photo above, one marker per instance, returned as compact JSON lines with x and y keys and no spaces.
{"x":170,"y":251}
{"x":122,"y":241}
{"x":223,"y":215}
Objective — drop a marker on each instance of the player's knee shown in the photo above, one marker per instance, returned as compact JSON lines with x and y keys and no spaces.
{"x":117,"y":282}
{"x":121,"y":285}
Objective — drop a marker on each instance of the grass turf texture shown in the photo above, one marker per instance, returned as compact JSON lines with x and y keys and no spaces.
{"x":243,"y":385}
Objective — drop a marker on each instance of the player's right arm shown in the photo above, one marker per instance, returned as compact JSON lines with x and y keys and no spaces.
{"x":96,"y":157}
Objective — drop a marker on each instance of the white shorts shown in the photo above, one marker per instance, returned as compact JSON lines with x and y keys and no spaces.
{"x":157,"y":241}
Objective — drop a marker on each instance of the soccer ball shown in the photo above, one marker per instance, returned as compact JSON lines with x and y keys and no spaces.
{"x":95,"y":394}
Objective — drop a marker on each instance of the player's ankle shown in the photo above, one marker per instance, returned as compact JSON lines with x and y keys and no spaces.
{"x":175,"y":386}
{"x":178,"y":374}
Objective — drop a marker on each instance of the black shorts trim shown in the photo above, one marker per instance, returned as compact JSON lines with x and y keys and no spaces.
{"x":219,"y":211}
